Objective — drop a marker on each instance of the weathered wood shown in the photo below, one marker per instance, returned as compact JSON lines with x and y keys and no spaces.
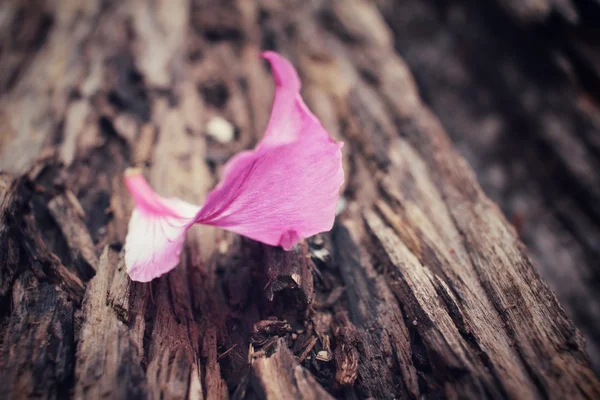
{"x":280,"y":377}
{"x":422,"y":289}
{"x":108,"y":360}
{"x":525,"y":116}
{"x":291,"y":271}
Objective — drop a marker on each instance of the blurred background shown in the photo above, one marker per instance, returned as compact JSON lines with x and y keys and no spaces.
{"x":515,"y":84}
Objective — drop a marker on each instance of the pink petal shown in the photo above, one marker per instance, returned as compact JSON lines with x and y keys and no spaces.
{"x":285,"y":123}
{"x":290,"y":117}
{"x":156,"y":230}
{"x":284,"y":190}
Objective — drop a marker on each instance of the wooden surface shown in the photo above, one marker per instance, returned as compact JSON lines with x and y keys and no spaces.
{"x":421,"y":289}
{"x":522,"y":106}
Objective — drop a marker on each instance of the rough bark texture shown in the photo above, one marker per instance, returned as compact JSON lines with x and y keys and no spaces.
{"x":521,"y":104}
{"x":421,"y":289}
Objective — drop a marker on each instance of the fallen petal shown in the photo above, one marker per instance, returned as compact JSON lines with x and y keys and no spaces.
{"x":284,"y":190}
{"x":156,"y":230}
{"x":290,"y":117}
{"x":287,"y":188}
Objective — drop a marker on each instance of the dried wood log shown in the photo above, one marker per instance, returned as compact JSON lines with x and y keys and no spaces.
{"x":422,"y":289}
{"x":68,"y":214}
{"x":109,"y":361}
{"x":526,"y":118}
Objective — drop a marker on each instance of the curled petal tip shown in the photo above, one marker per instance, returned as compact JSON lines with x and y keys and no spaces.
{"x":284,"y":73}
{"x":270,"y":55}
{"x":267,"y":53}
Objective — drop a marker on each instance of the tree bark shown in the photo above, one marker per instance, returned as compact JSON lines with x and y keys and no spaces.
{"x":521,"y":104}
{"x":422,"y":288}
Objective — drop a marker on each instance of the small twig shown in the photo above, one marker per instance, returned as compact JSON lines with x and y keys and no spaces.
{"x":268,"y":283}
{"x":75,"y":203}
{"x":227,"y":352}
{"x":250,"y":353}
{"x":269,"y":343}
{"x":309,"y":347}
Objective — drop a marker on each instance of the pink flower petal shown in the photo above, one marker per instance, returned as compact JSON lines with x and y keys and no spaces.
{"x":284,"y":190}
{"x":290,"y":117}
{"x":156,"y":230}
{"x":287,"y":188}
